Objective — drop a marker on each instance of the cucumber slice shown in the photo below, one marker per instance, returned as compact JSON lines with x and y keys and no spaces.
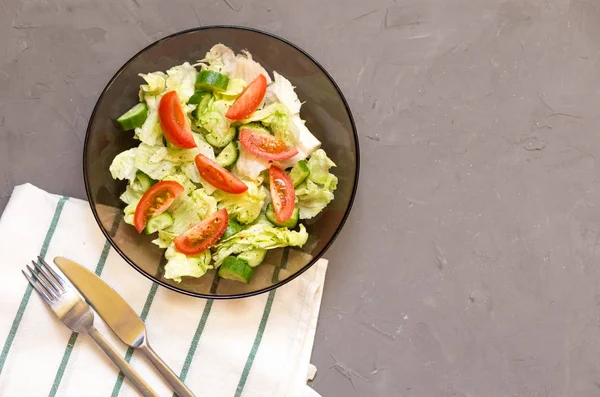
{"x":253,"y":257}
{"x":228,"y":155}
{"x":235,"y":269}
{"x":209,"y":80}
{"x":299,"y":173}
{"x":144,"y":180}
{"x":197,"y":97}
{"x":220,"y":141}
{"x":255,"y":127}
{"x":158,"y":222}
{"x":203,"y":99}
{"x":290,"y":223}
{"x":232,"y":228}
{"x":134,"y":117}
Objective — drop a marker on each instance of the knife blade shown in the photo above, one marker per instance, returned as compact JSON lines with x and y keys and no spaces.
{"x":119,"y":316}
{"x":113,"y":309}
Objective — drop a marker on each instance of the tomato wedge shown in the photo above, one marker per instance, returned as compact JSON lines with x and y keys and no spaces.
{"x":282,"y":193}
{"x":249,"y":99}
{"x":265,"y":145}
{"x":204,"y":235}
{"x":173,"y":122}
{"x":155,"y":201}
{"x":218,"y":176}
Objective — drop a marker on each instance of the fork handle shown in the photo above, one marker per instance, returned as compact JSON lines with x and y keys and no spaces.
{"x":167,"y":373}
{"x":131,"y":374}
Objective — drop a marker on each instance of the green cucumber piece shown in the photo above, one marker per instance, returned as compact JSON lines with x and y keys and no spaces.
{"x":299,"y":172}
{"x":228,"y":155}
{"x":233,"y":227}
{"x":158,"y":222}
{"x":203,"y":101}
{"x":220,"y":141}
{"x":235,"y":269}
{"x":197,"y":97}
{"x":253,"y":257}
{"x":290,"y":223}
{"x":209,"y":80}
{"x":258,"y":127}
{"x":144,"y":180}
{"x":134,"y":117}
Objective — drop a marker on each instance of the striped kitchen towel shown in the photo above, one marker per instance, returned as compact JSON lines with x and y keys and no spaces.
{"x":254,"y":347}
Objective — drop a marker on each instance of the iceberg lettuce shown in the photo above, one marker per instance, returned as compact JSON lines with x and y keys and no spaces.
{"x":261,"y":235}
{"x":179,"y":265}
{"x":245,"y":207}
{"x":316,"y":192}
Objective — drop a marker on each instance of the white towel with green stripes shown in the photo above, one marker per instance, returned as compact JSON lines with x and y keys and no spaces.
{"x":254,"y":347}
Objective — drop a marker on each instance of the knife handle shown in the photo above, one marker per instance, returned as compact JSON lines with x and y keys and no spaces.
{"x":167,"y":373}
{"x":123,"y":365}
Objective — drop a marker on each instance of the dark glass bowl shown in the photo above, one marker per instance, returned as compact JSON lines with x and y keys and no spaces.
{"x":326,"y":113}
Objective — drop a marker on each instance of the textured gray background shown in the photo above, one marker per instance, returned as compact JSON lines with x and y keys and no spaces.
{"x":469,"y":265}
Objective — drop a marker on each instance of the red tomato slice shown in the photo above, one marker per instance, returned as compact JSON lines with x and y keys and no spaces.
{"x":265,"y":146}
{"x":282,"y":193}
{"x":173,"y":122}
{"x":249,"y":99}
{"x":204,"y":235}
{"x":218,"y":176}
{"x":155,"y":201}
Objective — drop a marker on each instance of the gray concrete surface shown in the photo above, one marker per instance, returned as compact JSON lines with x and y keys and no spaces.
{"x":469,"y":266}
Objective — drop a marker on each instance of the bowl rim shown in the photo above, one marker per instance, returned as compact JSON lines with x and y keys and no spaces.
{"x":246,"y":294}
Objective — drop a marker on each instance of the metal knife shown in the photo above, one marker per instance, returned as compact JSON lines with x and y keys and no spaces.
{"x":119,"y":316}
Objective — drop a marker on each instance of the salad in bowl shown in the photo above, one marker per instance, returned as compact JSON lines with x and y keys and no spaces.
{"x":226,"y":168}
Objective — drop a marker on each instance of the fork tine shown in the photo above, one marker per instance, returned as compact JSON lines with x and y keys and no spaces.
{"x":47,"y":277}
{"x":41,"y":280}
{"x":56,"y":276}
{"x":39,"y":289}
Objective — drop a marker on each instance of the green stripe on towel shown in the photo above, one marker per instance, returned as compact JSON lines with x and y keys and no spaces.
{"x":129,"y":354}
{"x":192,"y":350}
{"x":256,"y":345}
{"x":262,"y":326}
{"x":25,"y":300}
{"x":71,"y":343}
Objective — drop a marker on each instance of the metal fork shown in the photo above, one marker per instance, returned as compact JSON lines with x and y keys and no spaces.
{"x":76,"y":314}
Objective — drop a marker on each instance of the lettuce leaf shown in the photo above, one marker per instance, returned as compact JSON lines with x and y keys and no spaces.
{"x":164,"y":239}
{"x":150,"y":132}
{"x":160,"y":161}
{"x":123,"y":165}
{"x":234,"y":88}
{"x":129,"y":212}
{"x":276,"y":116}
{"x":319,"y":165}
{"x":131,"y":196}
{"x":150,"y":160}
{"x":249,"y":165}
{"x":245,"y":68}
{"x":316,"y":192}
{"x":241,"y":66}
{"x":259,"y":236}
{"x":217,"y":57}
{"x":155,"y":84}
{"x":185,"y":214}
{"x":206,"y":204}
{"x":213,"y":120}
{"x":183,"y":180}
{"x":189,"y":168}
{"x":284,"y":90}
{"x":312,"y":199}
{"x":179,"y":265}
{"x":182,"y":79}
{"x":245,"y":207}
